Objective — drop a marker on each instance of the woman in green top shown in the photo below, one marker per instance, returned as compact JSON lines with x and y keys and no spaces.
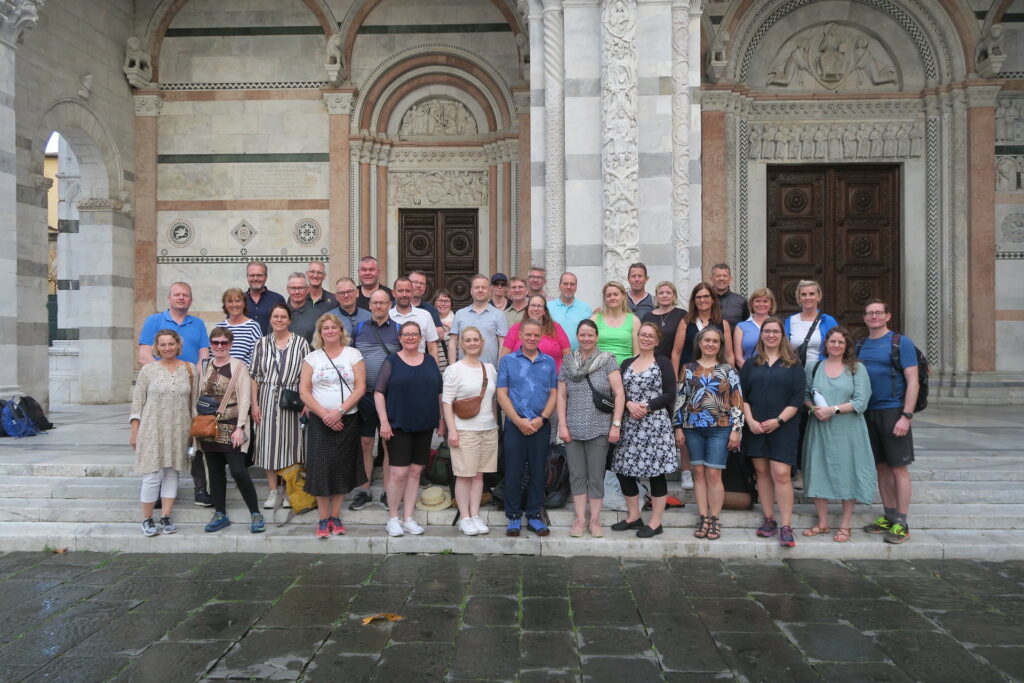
{"x":617,"y":327}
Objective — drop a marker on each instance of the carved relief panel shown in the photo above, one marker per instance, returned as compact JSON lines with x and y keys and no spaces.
{"x":838,"y":225}
{"x":834,"y":58}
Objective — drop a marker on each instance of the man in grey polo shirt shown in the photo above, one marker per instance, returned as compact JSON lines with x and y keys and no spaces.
{"x":304,"y":314}
{"x":734,"y":306}
{"x":350,"y":314}
{"x":482,"y":315}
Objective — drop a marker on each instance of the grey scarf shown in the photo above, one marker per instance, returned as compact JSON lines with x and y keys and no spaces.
{"x":579,"y":369}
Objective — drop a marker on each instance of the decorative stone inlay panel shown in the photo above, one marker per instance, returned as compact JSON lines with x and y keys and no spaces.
{"x":180,"y":233}
{"x":837,"y":141}
{"x":1012,"y":228}
{"x":437,"y":117}
{"x":243,"y":232}
{"x":437,"y":188}
{"x":832,"y":58}
{"x":307,"y":232}
{"x":619,"y":144}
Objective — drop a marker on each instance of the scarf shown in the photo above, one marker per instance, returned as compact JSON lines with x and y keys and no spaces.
{"x":578,"y":368}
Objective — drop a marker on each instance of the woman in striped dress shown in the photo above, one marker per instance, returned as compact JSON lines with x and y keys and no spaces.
{"x":276,"y":364}
{"x":245,"y":331}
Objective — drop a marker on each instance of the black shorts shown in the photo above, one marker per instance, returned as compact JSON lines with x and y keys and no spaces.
{"x":369,"y":423}
{"x":409,"y":448}
{"x":894,"y":451}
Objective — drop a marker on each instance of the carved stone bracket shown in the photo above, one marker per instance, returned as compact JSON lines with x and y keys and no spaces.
{"x":620,"y":161}
{"x":437,"y":188}
{"x":16,"y":17}
{"x":338,"y":102}
{"x":41,"y":182}
{"x":991,"y":55}
{"x":137,"y":67}
{"x":148,"y":105}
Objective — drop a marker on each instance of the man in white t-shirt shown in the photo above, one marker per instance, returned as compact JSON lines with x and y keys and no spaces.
{"x":403,"y":310}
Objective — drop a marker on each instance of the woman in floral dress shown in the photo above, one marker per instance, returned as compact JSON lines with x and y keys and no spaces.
{"x":646,"y":447}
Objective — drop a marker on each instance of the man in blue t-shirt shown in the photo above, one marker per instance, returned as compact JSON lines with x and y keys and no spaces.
{"x":888,"y":416}
{"x":195,"y":343}
{"x":526,"y":393}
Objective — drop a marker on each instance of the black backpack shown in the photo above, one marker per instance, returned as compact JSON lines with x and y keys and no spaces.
{"x":35,"y":413}
{"x":923,"y":370}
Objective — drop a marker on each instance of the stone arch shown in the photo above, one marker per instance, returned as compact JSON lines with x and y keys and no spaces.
{"x":942,"y":39}
{"x":99,"y":159}
{"x":163,"y":16}
{"x":361,"y":9}
{"x":470,"y":71}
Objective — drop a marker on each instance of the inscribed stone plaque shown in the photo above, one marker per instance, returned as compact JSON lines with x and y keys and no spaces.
{"x":279,"y":181}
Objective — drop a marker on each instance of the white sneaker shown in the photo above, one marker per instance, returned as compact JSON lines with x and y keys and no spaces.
{"x":687,"y":480}
{"x":481,"y":528}
{"x":412,"y":527}
{"x":467,"y":526}
{"x":271,"y":500}
{"x":394,"y":527}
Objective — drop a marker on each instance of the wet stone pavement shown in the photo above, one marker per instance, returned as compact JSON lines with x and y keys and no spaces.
{"x":130,"y":617}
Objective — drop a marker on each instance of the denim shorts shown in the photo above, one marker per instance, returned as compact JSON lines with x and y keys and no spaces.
{"x":708,"y":446}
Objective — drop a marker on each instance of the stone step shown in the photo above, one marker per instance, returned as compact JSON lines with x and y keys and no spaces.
{"x":735,"y":543}
{"x":103,"y":511}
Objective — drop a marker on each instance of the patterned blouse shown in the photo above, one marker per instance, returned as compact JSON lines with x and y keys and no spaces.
{"x":709,"y":397}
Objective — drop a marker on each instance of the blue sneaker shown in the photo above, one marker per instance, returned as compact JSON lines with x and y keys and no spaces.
{"x":537,"y":526}
{"x":219,"y":521}
{"x":513,"y":527}
{"x":258,"y":526}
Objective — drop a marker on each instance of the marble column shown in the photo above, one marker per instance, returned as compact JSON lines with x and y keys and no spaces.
{"x":554,"y":143}
{"x":65,"y":380}
{"x":339,"y":114}
{"x":16,"y":16}
{"x":685,"y":13}
{"x":620,"y":165}
{"x":519,"y":253}
{"x":106,"y":331}
{"x":147,"y":111}
{"x":381,"y":157}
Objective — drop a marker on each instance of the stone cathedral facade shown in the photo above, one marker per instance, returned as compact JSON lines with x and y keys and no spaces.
{"x":876,"y":146}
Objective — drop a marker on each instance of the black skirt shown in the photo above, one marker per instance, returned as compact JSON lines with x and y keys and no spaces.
{"x":334,"y":460}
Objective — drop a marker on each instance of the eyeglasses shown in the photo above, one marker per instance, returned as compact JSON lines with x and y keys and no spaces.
{"x":345,"y":292}
{"x":410,"y":335}
{"x":298,"y":289}
{"x":771,"y":332}
{"x":220,"y":343}
{"x":702,"y":296}
{"x":873,"y":314}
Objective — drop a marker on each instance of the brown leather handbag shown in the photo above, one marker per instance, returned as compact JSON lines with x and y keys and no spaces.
{"x":204,"y":427}
{"x":467,"y":408}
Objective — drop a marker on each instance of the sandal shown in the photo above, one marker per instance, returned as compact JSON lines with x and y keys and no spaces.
{"x":714,"y":529}
{"x":817,"y":531}
{"x":702,"y":527}
{"x":842,"y":535}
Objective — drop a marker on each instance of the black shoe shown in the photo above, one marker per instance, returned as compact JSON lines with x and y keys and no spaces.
{"x":384,"y":498}
{"x":203,"y":499}
{"x":360,"y":500}
{"x":623,"y":525}
{"x":648,"y":532}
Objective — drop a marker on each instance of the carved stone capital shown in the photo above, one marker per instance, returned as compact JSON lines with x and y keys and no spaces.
{"x":551,"y":6}
{"x":338,"y":102}
{"x":715,"y":100}
{"x":41,"y":182}
{"x":16,"y":17}
{"x":148,"y":105}
{"x":982,"y":95}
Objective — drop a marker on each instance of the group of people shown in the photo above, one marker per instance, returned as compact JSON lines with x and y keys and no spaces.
{"x":637,"y":385}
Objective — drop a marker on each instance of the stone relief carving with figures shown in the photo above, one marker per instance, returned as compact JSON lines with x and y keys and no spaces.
{"x":836,"y":141}
{"x":1008,"y":173}
{"x":620,"y":156}
{"x":833,"y":58}
{"x":437,"y":188}
{"x":1010,"y":120}
{"x":437,"y":117}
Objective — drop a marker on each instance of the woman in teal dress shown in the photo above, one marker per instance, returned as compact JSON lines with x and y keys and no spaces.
{"x":838,"y":462}
{"x":617,"y":327}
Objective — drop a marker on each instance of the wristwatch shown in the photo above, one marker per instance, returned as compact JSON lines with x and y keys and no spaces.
{"x":837,"y":411}
{"x":781,"y":421}
{"x":616,"y":423}
{"x":909,"y":416}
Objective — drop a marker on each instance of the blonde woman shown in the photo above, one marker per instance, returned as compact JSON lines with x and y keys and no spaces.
{"x":245,"y":330}
{"x":473,"y":440}
{"x":617,"y":328}
{"x":332,"y":381}
{"x":762,"y":304}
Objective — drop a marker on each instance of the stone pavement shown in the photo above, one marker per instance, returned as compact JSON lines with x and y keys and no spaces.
{"x":145,"y":617}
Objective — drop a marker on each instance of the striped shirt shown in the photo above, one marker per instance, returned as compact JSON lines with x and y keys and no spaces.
{"x":245,"y":337}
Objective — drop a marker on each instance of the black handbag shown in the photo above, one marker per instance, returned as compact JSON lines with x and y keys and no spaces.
{"x":604,"y":403}
{"x":207,"y":405}
{"x":290,"y":400}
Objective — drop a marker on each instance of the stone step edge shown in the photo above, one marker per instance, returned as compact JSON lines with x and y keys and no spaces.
{"x":991,"y":545}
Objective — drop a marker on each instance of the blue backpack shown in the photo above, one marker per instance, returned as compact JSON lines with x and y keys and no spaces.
{"x":16,"y":421}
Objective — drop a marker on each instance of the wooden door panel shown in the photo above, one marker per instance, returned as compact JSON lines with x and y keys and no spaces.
{"x":444,"y":244}
{"x":838,"y":225}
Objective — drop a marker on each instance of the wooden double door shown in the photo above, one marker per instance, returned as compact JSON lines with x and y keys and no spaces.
{"x":840,"y":226}
{"x":444,"y":244}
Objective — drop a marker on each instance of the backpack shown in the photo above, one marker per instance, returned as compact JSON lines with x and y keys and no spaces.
{"x":35,"y":412}
{"x":556,"y":479}
{"x":15,"y":421}
{"x":923,"y":370}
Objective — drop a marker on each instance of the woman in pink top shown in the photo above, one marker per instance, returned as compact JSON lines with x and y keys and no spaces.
{"x":553,"y":341}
